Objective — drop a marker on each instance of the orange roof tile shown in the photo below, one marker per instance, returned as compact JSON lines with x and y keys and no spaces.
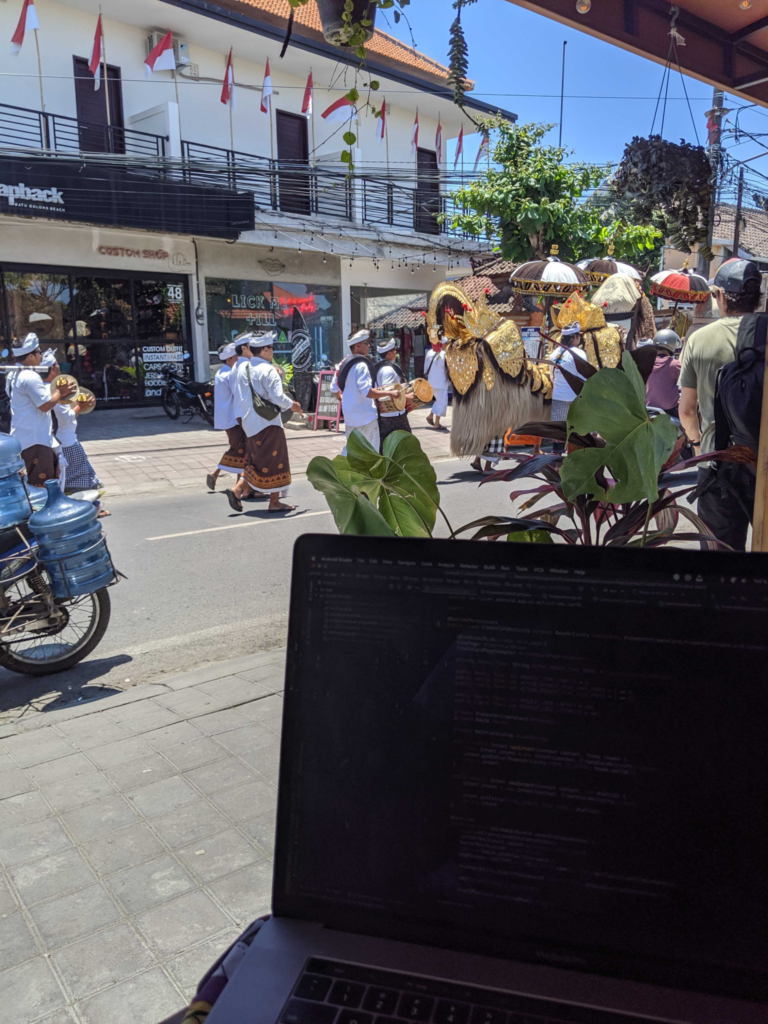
{"x":307,"y":23}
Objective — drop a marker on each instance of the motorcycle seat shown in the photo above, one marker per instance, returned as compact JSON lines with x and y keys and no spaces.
{"x":198,"y":388}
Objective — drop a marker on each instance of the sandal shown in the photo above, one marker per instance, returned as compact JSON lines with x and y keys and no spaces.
{"x":282,"y":508}
{"x":234,"y":502}
{"x":210,"y":482}
{"x":103,"y":512}
{"x":430,"y":420}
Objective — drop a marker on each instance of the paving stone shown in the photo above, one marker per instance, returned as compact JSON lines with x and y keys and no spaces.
{"x":264,"y":708}
{"x":119,"y":850}
{"x":62,"y":768}
{"x":26,"y":807}
{"x":6,"y":763}
{"x":141,"y":772}
{"x":246,"y":740}
{"x":219,"y":855}
{"x":173,"y":927}
{"x":265,"y":760}
{"x":146,"y":997}
{"x":247,"y":801}
{"x":51,"y":876}
{"x":117,"y":753}
{"x":32,"y":748}
{"x":17,"y":943}
{"x":172,"y":735}
{"x":13,"y":782}
{"x":26,"y":842}
{"x":262,"y":831}
{"x":92,"y":731}
{"x":145,"y":885}
{"x":220,"y":775}
{"x":8,"y":903}
{"x":128,"y":713}
{"x":190,"y":755}
{"x":188,"y":968}
{"x":29,"y":991}
{"x":246,"y":894}
{"x":72,"y":916}
{"x":149,"y":719}
{"x":234,"y":689}
{"x":273,"y":673}
{"x":99,"y":818}
{"x":102,"y":959}
{"x":71,"y":793}
{"x":161,"y":797}
{"x":190,"y":822}
{"x":221,"y":721}
{"x":191,"y":702}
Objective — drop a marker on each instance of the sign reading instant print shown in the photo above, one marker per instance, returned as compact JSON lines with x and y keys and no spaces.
{"x":154,"y":358}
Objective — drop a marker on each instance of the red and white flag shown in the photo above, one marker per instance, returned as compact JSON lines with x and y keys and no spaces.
{"x":381,"y":127}
{"x":481,"y":151}
{"x":228,"y":88}
{"x":27,"y":22}
{"x":415,"y":135}
{"x":439,"y":142}
{"x":306,"y":106}
{"x":97,"y":55}
{"x":459,"y":147}
{"x":266,"y":91}
{"x":341,"y":110}
{"x":161,"y":57}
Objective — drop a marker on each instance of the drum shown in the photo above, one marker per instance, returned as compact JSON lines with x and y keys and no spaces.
{"x":410,"y":396}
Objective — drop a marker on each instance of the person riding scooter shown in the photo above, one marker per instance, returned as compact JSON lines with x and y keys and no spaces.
{"x":661,"y":390}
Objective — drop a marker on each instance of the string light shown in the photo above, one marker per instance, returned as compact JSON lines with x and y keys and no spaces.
{"x":583,"y":6}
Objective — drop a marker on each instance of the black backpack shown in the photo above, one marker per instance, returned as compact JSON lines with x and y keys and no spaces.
{"x":739,"y":394}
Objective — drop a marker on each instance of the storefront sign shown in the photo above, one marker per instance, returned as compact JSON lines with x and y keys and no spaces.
{"x":154,"y":358}
{"x":531,"y":340}
{"x":328,"y":404}
{"x":24,"y":197}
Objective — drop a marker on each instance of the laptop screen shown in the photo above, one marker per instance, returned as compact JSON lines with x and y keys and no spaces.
{"x":551,"y":754}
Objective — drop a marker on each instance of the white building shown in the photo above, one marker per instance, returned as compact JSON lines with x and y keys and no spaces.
{"x":160,"y":226}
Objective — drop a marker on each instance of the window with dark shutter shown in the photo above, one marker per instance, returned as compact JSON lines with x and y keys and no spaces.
{"x":96,"y":134}
{"x":293,"y":157}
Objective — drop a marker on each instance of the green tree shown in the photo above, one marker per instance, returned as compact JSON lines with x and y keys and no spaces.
{"x":533,"y":200}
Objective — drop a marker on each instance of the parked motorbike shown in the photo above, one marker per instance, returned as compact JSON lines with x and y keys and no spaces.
{"x":181,"y":395}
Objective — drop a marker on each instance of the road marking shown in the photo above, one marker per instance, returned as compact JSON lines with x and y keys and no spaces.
{"x":236,"y":526}
{"x":130,"y":458}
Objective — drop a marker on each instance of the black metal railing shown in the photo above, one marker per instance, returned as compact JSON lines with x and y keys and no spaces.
{"x":58,"y":133}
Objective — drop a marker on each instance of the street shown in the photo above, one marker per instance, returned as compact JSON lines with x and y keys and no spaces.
{"x":205,"y":584}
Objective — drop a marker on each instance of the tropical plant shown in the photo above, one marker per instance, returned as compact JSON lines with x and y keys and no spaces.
{"x":287,"y":366}
{"x":533,"y":199}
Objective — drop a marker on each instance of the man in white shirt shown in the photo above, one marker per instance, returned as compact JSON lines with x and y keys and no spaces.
{"x":562,"y":356}
{"x":31,"y":404}
{"x":436,"y":372}
{"x":388,"y":374}
{"x":224,"y":418}
{"x":354,"y":382}
{"x":259,"y":400}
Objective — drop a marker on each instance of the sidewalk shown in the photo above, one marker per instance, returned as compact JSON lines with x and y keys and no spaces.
{"x":136,"y":839}
{"x":141,"y":451}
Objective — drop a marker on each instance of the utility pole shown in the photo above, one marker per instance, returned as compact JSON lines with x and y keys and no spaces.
{"x":715,"y":150}
{"x":737,"y":226}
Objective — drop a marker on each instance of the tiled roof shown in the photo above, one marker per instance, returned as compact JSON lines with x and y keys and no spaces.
{"x":500,"y":299}
{"x":754,"y":228}
{"x":492,"y":266}
{"x":307,"y":23}
{"x":403,"y":316}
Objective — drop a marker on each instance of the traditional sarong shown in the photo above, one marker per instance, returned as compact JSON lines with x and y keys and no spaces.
{"x":41,"y":463}
{"x":389,"y":424}
{"x":80,"y":474}
{"x":267,"y":468}
{"x":233,"y":459}
{"x":440,"y":405}
{"x":370,"y":432}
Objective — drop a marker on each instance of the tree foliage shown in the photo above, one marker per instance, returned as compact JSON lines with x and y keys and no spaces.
{"x":533,"y":199}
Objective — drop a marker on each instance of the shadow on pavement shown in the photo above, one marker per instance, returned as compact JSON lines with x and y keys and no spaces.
{"x":20,"y":694}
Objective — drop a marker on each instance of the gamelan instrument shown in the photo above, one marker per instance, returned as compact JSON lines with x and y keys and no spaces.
{"x":410,"y":396}
{"x":80,"y":396}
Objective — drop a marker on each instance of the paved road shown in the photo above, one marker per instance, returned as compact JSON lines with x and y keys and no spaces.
{"x":205,"y":584}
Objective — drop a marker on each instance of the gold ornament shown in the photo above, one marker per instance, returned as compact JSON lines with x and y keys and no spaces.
{"x":603,"y":347}
{"x":576,"y":310}
{"x":480,"y":319}
{"x":462,"y":366}
{"x":489,"y":377}
{"x":507,"y":346}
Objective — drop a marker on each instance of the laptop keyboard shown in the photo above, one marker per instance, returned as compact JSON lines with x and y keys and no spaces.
{"x":332,"y":992}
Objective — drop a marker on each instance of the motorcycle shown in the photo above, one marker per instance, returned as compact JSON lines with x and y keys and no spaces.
{"x":188,"y":396}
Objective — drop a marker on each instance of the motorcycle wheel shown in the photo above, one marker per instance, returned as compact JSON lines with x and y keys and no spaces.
{"x":42,"y":654}
{"x":171,"y":404}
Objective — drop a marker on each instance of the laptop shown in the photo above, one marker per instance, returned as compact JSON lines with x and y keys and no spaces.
{"x":520,"y":784}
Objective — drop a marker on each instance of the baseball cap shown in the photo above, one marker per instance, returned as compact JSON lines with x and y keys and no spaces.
{"x":736,"y":276}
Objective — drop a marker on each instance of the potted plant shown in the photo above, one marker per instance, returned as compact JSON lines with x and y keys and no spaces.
{"x":347,"y":22}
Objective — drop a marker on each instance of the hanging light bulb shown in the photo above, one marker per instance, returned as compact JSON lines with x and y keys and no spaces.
{"x":745,"y":4}
{"x":583,"y":6}
{"x":324,"y":259}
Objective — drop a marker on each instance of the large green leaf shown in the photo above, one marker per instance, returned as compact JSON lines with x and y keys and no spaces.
{"x":350,"y":506}
{"x":612,"y":403}
{"x":402,"y":516}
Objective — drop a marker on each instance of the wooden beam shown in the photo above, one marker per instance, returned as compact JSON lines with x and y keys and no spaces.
{"x":630,"y":17}
{"x":756,"y":78}
{"x":749,"y":30}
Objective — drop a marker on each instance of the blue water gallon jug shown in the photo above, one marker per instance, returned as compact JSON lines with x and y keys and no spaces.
{"x":72,"y":545}
{"x":14,"y":503}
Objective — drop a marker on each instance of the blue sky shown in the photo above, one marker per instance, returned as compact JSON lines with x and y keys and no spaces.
{"x":513,"y":51}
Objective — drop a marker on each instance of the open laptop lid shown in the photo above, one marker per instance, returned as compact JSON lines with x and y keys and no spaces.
{"x":545,"y":753}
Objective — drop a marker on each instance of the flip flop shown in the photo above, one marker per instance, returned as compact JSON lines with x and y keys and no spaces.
{"x":255,"y":497}
{"x":210,"y":482}
{"x":286,"y":508}
{"x":102,"y":513}
{"x":234,"y":502}
{"x":430,"y":421}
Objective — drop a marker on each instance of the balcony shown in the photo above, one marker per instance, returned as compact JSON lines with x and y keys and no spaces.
{"x":57,"y":133}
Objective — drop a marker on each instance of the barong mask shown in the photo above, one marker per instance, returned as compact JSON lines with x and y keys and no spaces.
{"x":601,"y":342}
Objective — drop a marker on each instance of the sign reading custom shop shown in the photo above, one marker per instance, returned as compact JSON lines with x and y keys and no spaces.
{"x":101,"y":194}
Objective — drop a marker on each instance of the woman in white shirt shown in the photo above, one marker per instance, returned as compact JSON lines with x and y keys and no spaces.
{"x":436,"y":372}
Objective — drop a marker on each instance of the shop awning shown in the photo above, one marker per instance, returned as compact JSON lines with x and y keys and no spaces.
{"x":725,"y":45}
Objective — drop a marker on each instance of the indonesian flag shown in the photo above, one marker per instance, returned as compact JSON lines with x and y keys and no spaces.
{"x":27,"y":22}
{"x":266,"y":91}
{"x":415,"y":135}
{"x":341,"y":110}
{"x":439,"y":142}
{"x":306,"y":106}
{"x":460,"y":147}
{"x":381,"y":127}
{"x":228,"y":88}
{"x":97,"y":55}
{"x":481,"y":151}
{"x":161,"y":57}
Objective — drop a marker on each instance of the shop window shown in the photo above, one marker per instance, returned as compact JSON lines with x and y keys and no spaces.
{"x":110,"y":370}
{"x":38,"y":302}
{"x":160,"y":310}
{"x":104,"y":309}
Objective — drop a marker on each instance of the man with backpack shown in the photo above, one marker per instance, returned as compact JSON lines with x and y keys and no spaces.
{"x":723,"y":494}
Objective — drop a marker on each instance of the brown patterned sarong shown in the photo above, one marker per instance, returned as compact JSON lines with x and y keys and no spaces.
{"x":267,"y":468}
{"x":41,"y":464}
{"x":233,"y":459}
